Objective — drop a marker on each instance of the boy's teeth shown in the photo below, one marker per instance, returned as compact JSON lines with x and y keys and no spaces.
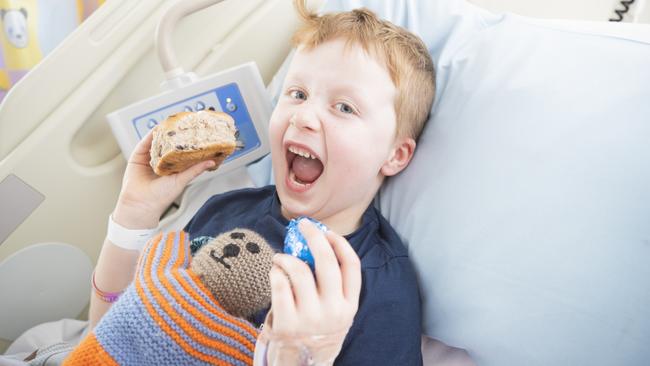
{"x":302,"y":153}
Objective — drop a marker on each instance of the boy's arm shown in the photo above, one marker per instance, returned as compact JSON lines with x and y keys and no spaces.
{"x":142,"y":200}
{"x":116,"y":266}
{"x":387,"y":327}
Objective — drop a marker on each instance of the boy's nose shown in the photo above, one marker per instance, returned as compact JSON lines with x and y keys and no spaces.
{"x":305,"y":120}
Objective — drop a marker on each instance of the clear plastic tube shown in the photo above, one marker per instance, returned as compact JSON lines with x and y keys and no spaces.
{"x":309,"y":350}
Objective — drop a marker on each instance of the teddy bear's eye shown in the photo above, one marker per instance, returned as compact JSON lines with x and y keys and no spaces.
{"x":237,"y":235}
{"x":252,"y":247}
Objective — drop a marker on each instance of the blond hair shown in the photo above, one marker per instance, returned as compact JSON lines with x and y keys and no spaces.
{"x":403,"y":53}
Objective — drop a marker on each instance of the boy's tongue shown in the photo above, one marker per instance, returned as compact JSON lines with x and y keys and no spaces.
{"x":306,"y":170}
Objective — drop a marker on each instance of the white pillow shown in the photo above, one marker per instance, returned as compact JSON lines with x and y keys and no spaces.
{"x":526,"y":208}
{"x":527,"y":205}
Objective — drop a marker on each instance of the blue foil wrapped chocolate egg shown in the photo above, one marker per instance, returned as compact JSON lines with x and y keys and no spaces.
{"x":296,"y":244}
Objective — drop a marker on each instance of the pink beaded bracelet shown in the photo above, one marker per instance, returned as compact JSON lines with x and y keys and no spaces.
{"x":109,"y":297}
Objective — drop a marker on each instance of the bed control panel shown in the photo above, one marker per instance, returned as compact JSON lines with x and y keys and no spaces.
{"x":238,"y":91}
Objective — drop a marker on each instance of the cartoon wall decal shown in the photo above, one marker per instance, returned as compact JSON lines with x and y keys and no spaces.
{"x":14,"y":22}
{"x":30,"y":29}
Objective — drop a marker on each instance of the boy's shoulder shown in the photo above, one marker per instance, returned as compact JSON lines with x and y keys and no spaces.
{"x":385,"y":246}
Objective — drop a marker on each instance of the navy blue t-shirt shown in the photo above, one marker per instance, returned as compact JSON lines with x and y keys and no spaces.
{"x":386,"y":328}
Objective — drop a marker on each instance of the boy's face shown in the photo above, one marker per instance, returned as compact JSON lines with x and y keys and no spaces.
{"x":337,"y":105}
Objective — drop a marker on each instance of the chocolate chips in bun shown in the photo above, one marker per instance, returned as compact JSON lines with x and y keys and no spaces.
{"x":187,"y":138}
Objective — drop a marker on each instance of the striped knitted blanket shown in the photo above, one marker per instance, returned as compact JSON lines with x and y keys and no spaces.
{"x":167,"y":316}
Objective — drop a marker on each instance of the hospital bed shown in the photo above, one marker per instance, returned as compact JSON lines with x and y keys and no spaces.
{"x":53,"y":227}
{"x":53,"y":230}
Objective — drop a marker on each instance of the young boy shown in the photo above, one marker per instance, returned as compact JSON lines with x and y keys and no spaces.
{"x":355,"y":99}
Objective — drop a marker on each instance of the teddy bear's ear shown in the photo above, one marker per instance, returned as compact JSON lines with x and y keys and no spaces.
{"x":2,"y":14}
{"x":24,"y":11}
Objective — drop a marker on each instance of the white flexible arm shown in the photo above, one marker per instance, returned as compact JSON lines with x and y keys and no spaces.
{"x":176,"y":11}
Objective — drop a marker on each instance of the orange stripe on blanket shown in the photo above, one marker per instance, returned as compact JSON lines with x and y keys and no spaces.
{"x":187,"y":287}
{"x":197,"y":280}
{"x":149,"y":250}
{"x":202,"y":339}
{"x":89,"y":352}
{"x":204,"y":319}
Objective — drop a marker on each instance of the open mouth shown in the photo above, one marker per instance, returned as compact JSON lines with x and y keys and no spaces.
{"x":304,"y":166}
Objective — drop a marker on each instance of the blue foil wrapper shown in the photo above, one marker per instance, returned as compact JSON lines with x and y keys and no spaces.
{"x":296,"y":244}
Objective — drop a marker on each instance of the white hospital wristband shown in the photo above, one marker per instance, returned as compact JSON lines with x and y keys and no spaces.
{"x":127,"y":238}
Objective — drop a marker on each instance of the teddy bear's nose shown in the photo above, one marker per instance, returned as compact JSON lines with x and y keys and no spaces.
{"x":230,"y":250}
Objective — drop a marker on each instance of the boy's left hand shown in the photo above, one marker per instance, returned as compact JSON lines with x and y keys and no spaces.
{"x":319,"y":306}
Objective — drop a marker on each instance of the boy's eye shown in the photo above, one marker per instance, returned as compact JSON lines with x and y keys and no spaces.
{"x":344,"y":108}
{"x":298,"y":94}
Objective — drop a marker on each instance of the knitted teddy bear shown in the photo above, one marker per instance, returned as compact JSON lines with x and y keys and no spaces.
{"x":184,"y":310}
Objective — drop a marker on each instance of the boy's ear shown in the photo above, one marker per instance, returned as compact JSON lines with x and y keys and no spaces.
{"x":400,"y":156}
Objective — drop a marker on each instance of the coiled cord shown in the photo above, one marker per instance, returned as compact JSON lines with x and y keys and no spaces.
{"x":620,"y":13}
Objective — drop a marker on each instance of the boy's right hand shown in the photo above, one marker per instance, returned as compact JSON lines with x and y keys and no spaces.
{"x":312,"y":312}
{"x":145,"y":196}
